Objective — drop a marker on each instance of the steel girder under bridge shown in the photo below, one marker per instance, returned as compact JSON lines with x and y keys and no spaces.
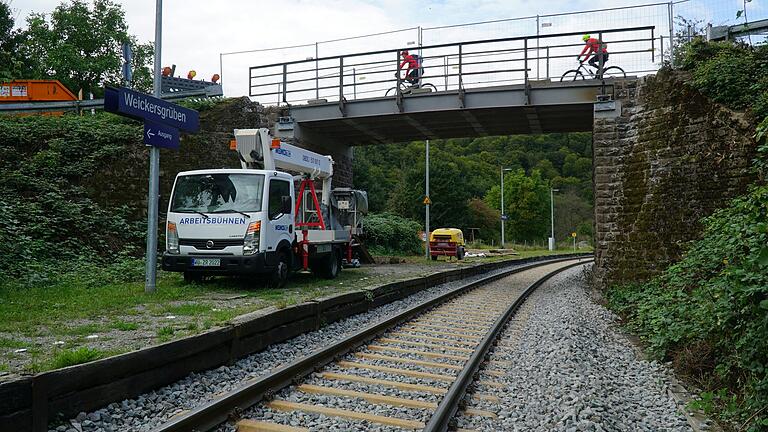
{"x":503,"y":110}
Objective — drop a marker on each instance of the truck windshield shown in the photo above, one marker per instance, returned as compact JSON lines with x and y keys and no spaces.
{"x":218,"y":193}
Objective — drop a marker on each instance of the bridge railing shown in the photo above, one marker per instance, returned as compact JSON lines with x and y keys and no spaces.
{"x":455,"y":66}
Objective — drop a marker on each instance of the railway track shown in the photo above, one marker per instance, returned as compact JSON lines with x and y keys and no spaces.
{"x":413,"y":371}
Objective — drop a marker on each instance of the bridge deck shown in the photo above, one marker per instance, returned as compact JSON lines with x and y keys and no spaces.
{"x":545,"y":107}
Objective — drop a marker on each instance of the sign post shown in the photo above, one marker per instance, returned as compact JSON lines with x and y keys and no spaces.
{"x":162,"y":121}
{"x":154,"y":166}
{"x":573,"y":234}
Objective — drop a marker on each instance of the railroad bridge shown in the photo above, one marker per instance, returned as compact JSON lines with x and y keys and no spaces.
{"x":664,"y":156}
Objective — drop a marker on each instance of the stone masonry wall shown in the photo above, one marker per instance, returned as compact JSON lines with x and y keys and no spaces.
{"x":671,"y":158}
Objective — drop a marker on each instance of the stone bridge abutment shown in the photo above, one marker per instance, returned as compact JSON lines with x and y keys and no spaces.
{"x":670,"y":158}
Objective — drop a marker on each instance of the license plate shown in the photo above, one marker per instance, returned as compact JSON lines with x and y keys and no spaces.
{"x":206,"y":262}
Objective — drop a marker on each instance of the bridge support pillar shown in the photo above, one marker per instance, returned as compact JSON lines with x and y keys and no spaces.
{"x":670,"y":158}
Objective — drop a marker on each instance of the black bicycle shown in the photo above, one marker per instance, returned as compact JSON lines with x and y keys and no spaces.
{"x":583,"y":72}
{"x":408,"y":88}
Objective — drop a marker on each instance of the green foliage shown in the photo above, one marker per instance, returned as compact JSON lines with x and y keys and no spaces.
{"x":390,"y":234}
{"x":50,"y":220}
{"x":76,"y":356}
{"x":709,"y":312}
{"x":464,"y":170}
{"x":14,"y":64}
{"x":81,"y":46}
{"x":732,"y":74}
{"x":526,"y":202}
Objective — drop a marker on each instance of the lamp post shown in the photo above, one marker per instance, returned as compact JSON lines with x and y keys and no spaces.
{"x":552,"y":216}
{"x":503,"y":216}
{"x":426,"y":202}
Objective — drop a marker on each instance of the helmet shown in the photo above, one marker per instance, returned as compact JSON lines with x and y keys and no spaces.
{"x":404,"y":52}
{"x":585,"y":37}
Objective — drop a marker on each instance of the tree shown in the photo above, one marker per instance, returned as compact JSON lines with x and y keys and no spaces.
{"x":13,"y":63}
{"x":526,"y":201}
{"x":82,"y":46}
{"x":484,"y":217}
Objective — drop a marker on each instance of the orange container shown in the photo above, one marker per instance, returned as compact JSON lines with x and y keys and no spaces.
{"x":34,"y":91}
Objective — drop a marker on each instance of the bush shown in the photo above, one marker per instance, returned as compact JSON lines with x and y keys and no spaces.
{"x":731,"y":74}
{"x":709,"y":312}
{"x":388,"y":234}
{"x":50,"y":218}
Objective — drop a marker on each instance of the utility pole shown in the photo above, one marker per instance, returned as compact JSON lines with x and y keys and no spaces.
{"x":552,"y":217}
{"x":154,"y":166}
{"x":502,"y":207}
{"x":427,"y":202}
{"x":503,"y":214}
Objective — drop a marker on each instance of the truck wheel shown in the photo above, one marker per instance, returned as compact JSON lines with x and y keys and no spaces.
{"x":279,"y":276}
{"x":331,"y":265}
{"x":434,"y":257}
{"x":191,"y":277}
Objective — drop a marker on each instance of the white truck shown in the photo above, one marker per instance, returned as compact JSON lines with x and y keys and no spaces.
{"x":252,"y":221}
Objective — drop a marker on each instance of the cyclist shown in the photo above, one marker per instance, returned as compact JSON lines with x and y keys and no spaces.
{"x":593,"y":46}
{"x":413,"y":72}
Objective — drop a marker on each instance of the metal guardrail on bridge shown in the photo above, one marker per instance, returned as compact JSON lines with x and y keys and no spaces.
{"x":454,"y":66}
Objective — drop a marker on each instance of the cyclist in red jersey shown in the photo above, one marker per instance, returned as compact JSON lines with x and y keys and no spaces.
{"x":593,"y":46}
{"x":413,"y":72}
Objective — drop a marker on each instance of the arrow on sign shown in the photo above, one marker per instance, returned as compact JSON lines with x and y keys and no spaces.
{"x":159,"y":135}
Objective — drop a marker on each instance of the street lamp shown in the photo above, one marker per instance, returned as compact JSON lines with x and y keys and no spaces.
{"x":552,"y":216}
{"x":503,"y":216}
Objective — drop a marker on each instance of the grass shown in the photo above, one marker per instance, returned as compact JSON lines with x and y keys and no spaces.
{"x":165,"y":333}
{"x":124,"y":326}
{"x":11,"y":343}
{"x":75,"y":356}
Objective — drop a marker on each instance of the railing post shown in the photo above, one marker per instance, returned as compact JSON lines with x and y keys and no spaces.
{"x":461,"y":80}
{"x":341,"y":78}
{"x":661,"y":43}
{"x":653,"y":47}
{"x":397,"y":71}
{"x":317,"y":73}
{"x":354,"y":83}
{"x":445,"y":71}
{"x":547,"y":62}
{"x":525,"y":60}
{"x":285,"y":83}
{"x":600,"y":54}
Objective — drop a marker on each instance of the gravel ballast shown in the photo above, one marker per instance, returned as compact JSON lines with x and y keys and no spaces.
{"x":571,"y":370}
{"x":152,"y":409}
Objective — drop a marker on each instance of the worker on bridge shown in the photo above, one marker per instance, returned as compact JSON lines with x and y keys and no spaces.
{"x":596,"y":47}
{"x":414,"y":71}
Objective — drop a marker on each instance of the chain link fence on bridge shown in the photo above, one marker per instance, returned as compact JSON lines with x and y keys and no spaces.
{"x":679,"y":20}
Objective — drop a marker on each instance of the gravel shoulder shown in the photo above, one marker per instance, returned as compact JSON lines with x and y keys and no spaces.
{"x":573,"y":370}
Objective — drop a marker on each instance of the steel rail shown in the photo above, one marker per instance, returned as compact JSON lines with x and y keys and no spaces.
{"x":221,"y":409}
{"x":446,"y":410}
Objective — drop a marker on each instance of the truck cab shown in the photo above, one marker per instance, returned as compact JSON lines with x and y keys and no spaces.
{"x":228,"y":221}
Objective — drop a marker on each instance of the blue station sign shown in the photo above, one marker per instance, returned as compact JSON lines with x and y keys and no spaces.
{"x":160,"y":135}
{"x":141,"y":106}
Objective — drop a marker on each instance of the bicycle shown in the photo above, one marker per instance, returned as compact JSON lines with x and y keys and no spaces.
{"x":609,"y":72}
{"x":408,"y":88}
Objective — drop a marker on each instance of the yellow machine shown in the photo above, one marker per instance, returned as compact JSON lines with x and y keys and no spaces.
{"x":447,"y":242}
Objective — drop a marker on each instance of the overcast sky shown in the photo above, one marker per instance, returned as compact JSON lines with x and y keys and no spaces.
{"x":195,"y":32}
